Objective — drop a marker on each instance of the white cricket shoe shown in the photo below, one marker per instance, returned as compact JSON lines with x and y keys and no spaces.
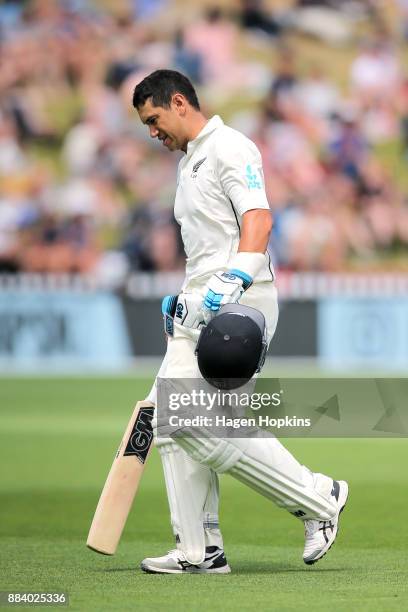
{"x":175,"y":563}
{"x":320,"y":535}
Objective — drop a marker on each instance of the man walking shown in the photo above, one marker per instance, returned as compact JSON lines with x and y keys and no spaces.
{"x":225,"y":223}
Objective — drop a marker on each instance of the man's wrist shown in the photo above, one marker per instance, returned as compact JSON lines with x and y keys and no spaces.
{"x":247,"y":262}
{"x":247,"y":280}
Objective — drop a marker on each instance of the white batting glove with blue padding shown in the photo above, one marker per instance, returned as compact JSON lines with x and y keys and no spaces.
{"x":224,"y":288}
{"x":184,"y":309}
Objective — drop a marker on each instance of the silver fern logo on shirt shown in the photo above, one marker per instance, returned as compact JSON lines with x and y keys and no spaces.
{"x":197,"y":166}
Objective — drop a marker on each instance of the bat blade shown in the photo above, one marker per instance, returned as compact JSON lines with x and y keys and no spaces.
{"x":122,"y":482}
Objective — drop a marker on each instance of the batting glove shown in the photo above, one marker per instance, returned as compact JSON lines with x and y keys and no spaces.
{"x":224,"y":288}
{"x":227,"y":287}
{"x":184,"y":309}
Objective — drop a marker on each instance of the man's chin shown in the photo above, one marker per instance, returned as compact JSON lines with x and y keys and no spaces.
{"x":172,"y":145}
{"x":167,"y":142}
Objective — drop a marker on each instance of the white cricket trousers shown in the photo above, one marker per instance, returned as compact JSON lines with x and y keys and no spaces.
{"x":190,"y":466}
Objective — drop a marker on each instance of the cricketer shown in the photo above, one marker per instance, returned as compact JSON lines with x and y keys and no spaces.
{"x":225,"y":221}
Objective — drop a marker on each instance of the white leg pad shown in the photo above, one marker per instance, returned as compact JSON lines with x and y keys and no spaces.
{"x":212,"y":531}
{"x":192,"y":491}
{"x":265,"y":465}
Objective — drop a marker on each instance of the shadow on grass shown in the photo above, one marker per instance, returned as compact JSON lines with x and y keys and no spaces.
{"x":279,"y":568}
{"x":118,"y":569}
{"x":242,"y":568}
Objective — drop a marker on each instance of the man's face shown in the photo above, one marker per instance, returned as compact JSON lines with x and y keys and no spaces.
{"x":165,"y":123}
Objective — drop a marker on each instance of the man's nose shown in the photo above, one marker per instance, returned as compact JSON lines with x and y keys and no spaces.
{"x":153,"y":131}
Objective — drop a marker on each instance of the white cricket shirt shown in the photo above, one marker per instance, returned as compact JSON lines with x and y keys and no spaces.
{"x":218,"y":180}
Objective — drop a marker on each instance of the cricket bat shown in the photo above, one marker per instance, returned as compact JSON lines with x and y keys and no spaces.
{"x":122,"y":482}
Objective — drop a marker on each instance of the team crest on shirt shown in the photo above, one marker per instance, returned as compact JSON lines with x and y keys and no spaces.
{"x":197,"y":166}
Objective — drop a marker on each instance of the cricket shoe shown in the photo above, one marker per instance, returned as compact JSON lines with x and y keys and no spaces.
{"x":320,"y":535}
{"x":175,"y":563}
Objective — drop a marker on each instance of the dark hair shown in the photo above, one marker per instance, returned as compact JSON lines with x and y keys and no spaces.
{"x":161,"y":85}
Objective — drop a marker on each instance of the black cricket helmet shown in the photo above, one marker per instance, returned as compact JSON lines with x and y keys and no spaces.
{"x":232,"y":347}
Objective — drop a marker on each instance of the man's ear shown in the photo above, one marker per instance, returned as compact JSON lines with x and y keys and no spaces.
{"x":180,"y":104}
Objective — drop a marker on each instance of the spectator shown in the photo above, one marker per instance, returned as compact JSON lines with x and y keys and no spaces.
{"x":285,"y":79}
{"x":348,"y":149}
{"x":187,"y":61}
{"x":403,"y":18}
{"x":80,"y":189}
{"x":318,"y":95}
{"x":253,"y":16}
{"x":375,"y":73}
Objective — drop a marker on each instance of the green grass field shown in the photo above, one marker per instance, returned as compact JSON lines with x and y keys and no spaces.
{"x":58,"y":438}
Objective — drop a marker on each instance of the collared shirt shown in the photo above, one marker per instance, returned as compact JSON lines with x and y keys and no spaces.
{"x":219,"y":179}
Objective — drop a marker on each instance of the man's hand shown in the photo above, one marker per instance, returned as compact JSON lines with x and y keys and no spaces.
{"x":184,"y":309}
{"x":224,"y":288}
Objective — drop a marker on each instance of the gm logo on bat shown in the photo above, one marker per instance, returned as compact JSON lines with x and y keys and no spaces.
{"x":142,"y":435}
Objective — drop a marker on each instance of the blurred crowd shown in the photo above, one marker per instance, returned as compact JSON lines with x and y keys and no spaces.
{"x":84,"y":190}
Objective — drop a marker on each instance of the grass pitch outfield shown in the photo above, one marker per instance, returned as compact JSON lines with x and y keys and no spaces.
{"x":58,"y":438}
